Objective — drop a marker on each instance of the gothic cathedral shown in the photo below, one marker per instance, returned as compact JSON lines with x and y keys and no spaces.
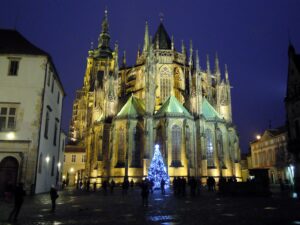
{"x":165,"y":99}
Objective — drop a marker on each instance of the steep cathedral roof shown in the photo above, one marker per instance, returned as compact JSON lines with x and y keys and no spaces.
{"x":162,"y":37}
{"x":133,"y":108}
{"x":208,"y":110}
{"x":172,"y":107}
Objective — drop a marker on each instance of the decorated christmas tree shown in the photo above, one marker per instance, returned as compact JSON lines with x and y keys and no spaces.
{"x":157,"y":170}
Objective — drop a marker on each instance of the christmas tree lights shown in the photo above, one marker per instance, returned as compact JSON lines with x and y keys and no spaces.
{"x":157,"y":170}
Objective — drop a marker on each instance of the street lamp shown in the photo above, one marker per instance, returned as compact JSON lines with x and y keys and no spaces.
{"x":258,"y":137}
{"x":47,"y":159}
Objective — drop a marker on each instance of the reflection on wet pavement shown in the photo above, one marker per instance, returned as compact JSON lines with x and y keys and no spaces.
{"x":270,"y":208}
{"x":227,"y":214}
{"x":162,"y":218}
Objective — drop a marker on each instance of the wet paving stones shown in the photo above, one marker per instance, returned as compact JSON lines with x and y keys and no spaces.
{"x":80,"y":207}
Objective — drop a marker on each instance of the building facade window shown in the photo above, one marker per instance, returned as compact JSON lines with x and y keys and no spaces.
{"x":13,"y":67}
{"x":176,"y":146}
{"x":209,"y":149}
{"x":121,"y":149}
{"x":53,"y":166}
{"x":52,"y":85}
{"x":83,"y":159}
{"x":40,"y":163}
{"x":73,"y":159}
{"x":138,"y":143}
{"x":64,"y":158}
{"x":58,"y":97}
{"x":55,"y":133}
{"x":47,"y":125}
{"x":165,"y":83}
{"x":7,"y":117}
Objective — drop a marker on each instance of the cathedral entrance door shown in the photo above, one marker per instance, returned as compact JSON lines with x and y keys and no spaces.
{"x":9,"y":167}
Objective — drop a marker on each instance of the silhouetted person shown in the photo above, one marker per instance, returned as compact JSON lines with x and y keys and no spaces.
{"x":162,"y":186}
{"x":112,"y":186}
{"x":88,"y":186}
{"x":125,"y":186}
{"x":95,"y":186}
{"x":193,"y":185}
{"x":53,"y":196}
{"x":131,"y":183}
{"x":104,"y":186}
{"x":151,"y":185}
{"x":145,"y":192}
{"x":19,"y":194}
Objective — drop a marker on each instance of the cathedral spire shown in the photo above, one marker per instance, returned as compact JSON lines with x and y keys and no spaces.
{"x":146,"y":38}
{"x":182,"y":47}
{"x":191,"y":54}
{"x":104,"y":37}
{"x":217,"y":68}
{"x":124,"y":59}
{"x":226,"y":74}
{"x":197,"y":62}
{"x":116,"y":59}
{"x":208,"y":65}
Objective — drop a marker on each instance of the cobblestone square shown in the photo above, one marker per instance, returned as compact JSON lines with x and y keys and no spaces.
{"x":81,"y":207}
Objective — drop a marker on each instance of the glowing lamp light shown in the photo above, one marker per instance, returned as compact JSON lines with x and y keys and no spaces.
{"x":258,"y":137}
{"x":10,"y":135}
{"x":72,"y":170}
{"x":59,"y":165}
{"x":64,"y":177}
{"x":47,"y":159}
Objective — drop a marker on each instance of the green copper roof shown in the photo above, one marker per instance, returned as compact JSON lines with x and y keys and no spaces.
{"x":133,"y":108}
{"x":209,"y":111}
{"x":172,"y":107}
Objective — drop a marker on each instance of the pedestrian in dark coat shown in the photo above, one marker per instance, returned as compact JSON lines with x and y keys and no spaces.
{"x":19,"y":194}
{"x":162,"y":186}
{"x":145,"y":192}
{"x":53,"y":196}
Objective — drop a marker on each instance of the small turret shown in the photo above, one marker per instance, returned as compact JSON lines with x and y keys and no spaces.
{"x":172,"y":42}
{"x":226,"y":74}
{"x":124,"y":60}
{"x":146,"y":38}
{"x":217,"y":69}
{"x":197,"y":62}
{"x":191,"y":54}
{"x":208,"y":65}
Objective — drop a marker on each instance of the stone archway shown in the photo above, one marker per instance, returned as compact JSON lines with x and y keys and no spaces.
{"x":9,"y":167}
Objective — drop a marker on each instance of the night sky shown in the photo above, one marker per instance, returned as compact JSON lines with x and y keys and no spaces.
{"x":250,"y":36}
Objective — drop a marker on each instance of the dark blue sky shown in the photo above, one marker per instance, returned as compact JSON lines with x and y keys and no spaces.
{"x":250,"y":36}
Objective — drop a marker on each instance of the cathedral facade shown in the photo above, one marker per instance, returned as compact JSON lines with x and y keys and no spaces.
{"x":165,"y":99}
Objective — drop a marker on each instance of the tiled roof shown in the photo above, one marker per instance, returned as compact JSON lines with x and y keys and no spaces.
{"x":163,"y":38}
{"x":12,"y":42}
{"x":208,"y":110}
{"x":73,"y":148}
{"x":172,"y":107}
{"x":133,"y":108}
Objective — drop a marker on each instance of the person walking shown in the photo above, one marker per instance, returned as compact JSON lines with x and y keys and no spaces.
{"x":162,"y":186}
{"x":145,"y":192}
{"x":53,"y":196}
{"x":19,"y":194}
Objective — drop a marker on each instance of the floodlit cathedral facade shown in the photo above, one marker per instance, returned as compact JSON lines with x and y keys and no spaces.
{"x":165,"y":99}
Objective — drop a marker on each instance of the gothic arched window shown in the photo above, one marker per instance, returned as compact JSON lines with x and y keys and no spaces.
{"x":121,"y":149}
{"x":188,"y":147}
{"x":220,"y":147}
{"x":165,"y":83}
{"x":137,"y":147}
{"x":209,"y":149}
{"x":176,"y":146}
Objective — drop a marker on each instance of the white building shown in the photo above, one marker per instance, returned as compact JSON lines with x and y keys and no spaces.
{"x":31,"y":97}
